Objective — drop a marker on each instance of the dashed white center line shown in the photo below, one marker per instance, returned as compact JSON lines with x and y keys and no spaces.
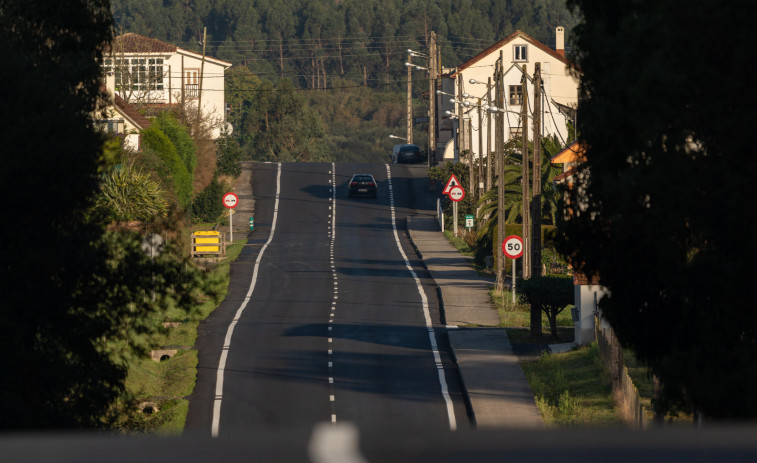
{"x":332,"y":235}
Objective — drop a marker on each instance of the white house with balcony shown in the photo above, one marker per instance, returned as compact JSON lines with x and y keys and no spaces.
{"x":519,"y":52}
{"x":153,"y":75}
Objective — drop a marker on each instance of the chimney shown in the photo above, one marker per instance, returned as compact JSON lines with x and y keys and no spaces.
{"x":560,"y":40}
{"x":110,"y":83}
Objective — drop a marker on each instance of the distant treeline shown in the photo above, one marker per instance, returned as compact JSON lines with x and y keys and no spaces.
{"x":314,"y":43}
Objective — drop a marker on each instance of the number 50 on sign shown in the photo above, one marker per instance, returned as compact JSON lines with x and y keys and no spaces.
{"x":513,"y":246}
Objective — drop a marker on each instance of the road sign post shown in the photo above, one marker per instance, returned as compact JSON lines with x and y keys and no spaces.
{"x":456,"y":194}
{"x":469,"y":221}
{"x":230,"y":201}
{"x":512,"y":247}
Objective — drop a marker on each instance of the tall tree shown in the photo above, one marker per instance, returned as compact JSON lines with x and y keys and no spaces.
{"x":660,"y":209}
{"x":75,"y":298}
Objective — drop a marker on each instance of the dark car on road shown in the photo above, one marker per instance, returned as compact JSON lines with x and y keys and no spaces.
{"x":407,"y":153}
{"x":363,"y":185}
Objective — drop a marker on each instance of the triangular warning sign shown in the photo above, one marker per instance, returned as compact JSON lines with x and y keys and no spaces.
{"x":452,"y":182}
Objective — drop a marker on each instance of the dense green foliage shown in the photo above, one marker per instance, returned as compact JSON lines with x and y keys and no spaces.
{"x":548,"y":294}
{"x":180,"y":138}
{"x":130,"y":194}
{"x":228,"y":156}
{"x":76,"y":299}
{"x":154,"y":139}
{"x":349,"y":48}
{"x":663,"y":196}
{"x":274,"y":123}
{"x":312,"y":42}
{"x":208,"y":205}
{"x":513,"y":173}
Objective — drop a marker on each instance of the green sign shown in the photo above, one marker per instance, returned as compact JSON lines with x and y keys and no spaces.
{"x":469,"y":221}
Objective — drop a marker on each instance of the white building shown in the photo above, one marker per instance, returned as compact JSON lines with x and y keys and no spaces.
{"x":519,"y":54}
{"x":151,"y":74}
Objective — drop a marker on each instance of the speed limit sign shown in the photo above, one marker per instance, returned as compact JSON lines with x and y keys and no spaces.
{"x":513,"y":246}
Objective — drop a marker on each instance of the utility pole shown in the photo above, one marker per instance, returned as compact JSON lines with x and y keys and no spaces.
{"x":183,"y":87}
{"x":202,"y":75}
{"x":432,"y":64}
{"x":525,"y":177}
{"x":464,"y":135}
{"x":410,"y":100}
{"x":499,"y":139}
{"x":460,"y":121}
{"x":469,"y":134}
{"x":488,"y":134}
{"x":480,"y":152}
{"x":536,"y":176}
{"x":170,"y":90}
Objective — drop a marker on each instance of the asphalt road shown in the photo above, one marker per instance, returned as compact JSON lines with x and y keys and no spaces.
{"x":318,"y":343}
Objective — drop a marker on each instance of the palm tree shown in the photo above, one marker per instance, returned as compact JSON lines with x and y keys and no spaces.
{"x":488,"y":207}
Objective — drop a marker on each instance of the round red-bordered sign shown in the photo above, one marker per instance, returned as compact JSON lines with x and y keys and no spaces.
{"x":513,"y":246}
{"x":230,"y":200}
{"x":456,"y":193}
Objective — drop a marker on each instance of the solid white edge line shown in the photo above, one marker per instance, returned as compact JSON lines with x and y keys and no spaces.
{"x":426,"y":313}
{"x":230,"y":331}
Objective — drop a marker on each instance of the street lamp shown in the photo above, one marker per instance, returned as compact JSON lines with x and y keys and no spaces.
{"x":420,"y":68}
{"x":398,"y":138}
{"x":494,"y":109}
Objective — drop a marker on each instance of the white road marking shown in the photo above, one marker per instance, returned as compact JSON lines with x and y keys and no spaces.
{"x":332,"y":235}
{"x":230,"y":331}
{"x":426,"y":313}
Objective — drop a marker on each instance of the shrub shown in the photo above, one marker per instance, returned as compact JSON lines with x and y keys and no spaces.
{"x":229,"y":157}
{"x":550,"y":294}
{"x":127,"y":194}
{"x":181,"y":139}
{"x":155,"y":139}
{"x":207,"y":205}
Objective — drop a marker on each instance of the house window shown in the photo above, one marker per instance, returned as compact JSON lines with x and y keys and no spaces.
{"x":191,"y":83}
{"x":516,"y":132}
{"x":137,"y":74}
{"x":516,"y":95}
{"x":155,"y":76}
{"x":520,"y":53}
{"x":110,"y":125}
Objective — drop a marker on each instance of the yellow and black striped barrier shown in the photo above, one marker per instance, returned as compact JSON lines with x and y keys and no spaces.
{"x":208,"y":243}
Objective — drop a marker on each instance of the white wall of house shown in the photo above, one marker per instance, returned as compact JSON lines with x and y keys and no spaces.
{"x":170,"y":78}
{"x":586,"y":299}
{"x":559,"y":85}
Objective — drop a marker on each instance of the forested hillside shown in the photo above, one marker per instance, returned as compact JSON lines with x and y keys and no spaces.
{"x":340,"y":47}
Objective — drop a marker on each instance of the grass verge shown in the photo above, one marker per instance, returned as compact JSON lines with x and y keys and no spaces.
{"x":168,"y":383}
{"x":518,"y":315}
{"x":573,"y":389}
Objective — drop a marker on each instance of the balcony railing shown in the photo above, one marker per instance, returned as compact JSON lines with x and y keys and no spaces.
{"x":191,"y":90}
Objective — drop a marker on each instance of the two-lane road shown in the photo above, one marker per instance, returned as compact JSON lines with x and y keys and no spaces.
{"x":326,"y":318}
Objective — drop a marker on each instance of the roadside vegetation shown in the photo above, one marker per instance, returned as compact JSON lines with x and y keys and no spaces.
{"x":573,"y":389}
{"x":168,"y":383}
